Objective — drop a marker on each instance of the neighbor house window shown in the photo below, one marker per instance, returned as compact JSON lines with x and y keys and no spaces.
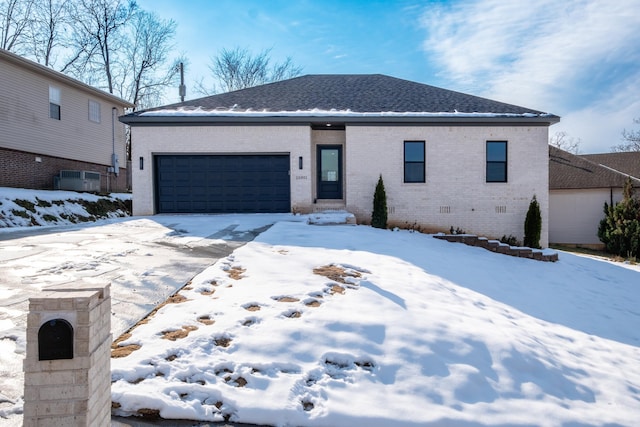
{"x":94,"y":111}
{"x":54,"y":102}
{"x":496,"y":161}
{"x":414,"y":161}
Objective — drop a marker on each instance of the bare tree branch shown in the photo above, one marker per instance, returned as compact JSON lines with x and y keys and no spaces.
{"x":145,"y":59}
{"x":238,"y":68}
{"x":631,"y":140}
{"x":14,"y":23}
{"x":98,"y":36}
{"x":50,"y":24}
{"x":563,"y":141}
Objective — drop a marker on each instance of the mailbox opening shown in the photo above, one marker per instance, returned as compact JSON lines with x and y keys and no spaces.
{"x":55,"y":340}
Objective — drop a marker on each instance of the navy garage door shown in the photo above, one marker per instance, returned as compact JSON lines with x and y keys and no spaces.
{"x":222,"y":183}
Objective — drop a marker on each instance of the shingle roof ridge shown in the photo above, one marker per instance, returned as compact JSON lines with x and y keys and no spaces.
{"x":603,"y":176}
{"x":613,"y":161}
{"x":351,"y":92}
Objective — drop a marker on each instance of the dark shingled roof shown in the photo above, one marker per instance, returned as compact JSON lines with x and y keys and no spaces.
{"x":357,"y":93}
{"x":627,"y":163}
{"x":568,"y":171}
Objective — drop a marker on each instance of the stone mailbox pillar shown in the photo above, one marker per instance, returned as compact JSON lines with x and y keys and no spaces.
{"x":67,"y":374}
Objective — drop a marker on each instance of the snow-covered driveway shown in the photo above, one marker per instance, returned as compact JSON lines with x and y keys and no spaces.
{"x":144,"y":259}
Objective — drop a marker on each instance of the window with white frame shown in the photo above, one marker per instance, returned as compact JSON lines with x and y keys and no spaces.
{"x":54,"y":102}
{"x":94,"y":111}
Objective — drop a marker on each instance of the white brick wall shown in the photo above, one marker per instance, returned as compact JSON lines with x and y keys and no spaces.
{"x":455,"y":170}
{"x":455,"y":177}
{"x":147,"y":141}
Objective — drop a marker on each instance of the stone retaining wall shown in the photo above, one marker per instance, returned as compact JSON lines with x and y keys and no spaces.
{"x":499,"y":247}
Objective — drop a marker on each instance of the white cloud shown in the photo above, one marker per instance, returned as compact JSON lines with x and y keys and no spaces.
{"x":599,"y":125}
{"x":573,"y":58}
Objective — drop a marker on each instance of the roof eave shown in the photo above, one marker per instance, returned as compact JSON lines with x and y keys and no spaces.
{"x":203,"y":120}
{"x":56,"y":75}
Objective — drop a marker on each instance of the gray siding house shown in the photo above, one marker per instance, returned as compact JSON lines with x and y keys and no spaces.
{"x":50,"y":122}
{"x":319,"y":142}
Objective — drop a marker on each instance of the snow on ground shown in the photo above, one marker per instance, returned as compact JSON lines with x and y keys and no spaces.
{"x":50,"y":208}
{"x":338,"y":325}
{"x":350,"y":325}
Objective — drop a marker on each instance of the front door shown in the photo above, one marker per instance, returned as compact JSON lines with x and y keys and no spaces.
{"x":329,"y":172}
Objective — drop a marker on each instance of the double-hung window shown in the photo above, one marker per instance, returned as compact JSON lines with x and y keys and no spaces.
{"x":94,"y":111}
{"x":54,"y":102}
{"x":496,"y":161}
{"x":414,"y":161}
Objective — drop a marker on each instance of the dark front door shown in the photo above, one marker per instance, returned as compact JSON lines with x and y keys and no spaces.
{"x":330,"y":172}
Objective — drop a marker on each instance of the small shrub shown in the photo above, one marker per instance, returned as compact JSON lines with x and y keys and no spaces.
{"x":511,"y":240}
{"x":22,"y":214}
{"x":49,"y":218}
{"x":457,"y":230}
{"x":43,"y":203}
{"x":26,"y":204}
{"x":103,"y":207}
{"x":379,"y":214}
{"x":81,"y":218}
{"x":533,"y":225}
{"x":620,"y":228}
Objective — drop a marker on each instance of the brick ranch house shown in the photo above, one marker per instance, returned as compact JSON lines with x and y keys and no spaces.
{"x":51,"y":122}
{"x":320,"y":142}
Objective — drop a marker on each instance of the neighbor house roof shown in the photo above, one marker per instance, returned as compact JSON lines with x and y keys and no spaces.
{"x":627,"y":162}
{"x":569,"y":171}
{"x":343,"y":98}
{"x":25,"y":63}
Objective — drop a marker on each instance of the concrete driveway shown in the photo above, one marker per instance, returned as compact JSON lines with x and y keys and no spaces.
{"x":145,"y":260}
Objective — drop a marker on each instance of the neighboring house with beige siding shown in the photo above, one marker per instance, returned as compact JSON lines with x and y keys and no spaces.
{"x":50,"y":122}
{"x":320,"y":142}
{"x":579,"y":186}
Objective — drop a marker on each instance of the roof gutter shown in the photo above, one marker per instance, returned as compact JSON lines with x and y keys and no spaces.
{"x":307,"y":120}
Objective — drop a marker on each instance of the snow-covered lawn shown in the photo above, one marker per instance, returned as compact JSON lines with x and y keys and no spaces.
{"x":334,"y":325}
{"x":349,"y":325}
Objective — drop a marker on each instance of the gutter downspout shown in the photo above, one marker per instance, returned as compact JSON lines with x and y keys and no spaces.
{"x":114,"y":157}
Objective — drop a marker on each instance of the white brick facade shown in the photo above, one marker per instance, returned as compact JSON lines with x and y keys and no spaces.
{"x":150,"y":141}
{"x":455,"y":193}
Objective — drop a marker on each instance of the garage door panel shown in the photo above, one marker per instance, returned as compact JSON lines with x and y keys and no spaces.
{"x":222,"y":183}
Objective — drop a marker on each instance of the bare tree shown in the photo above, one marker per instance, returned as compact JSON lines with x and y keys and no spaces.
{"x":147,"y":71}
{"x":110,"y":44}
{"x":49,"y":28}
{"x":14,"y":24}
{"x":631,"y":140}
{"x":563,"y":141}
{"x":238,"y":68}
{"x":98,"y":36}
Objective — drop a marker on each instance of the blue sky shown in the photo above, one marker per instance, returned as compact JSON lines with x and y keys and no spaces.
{"x":579,"y":59}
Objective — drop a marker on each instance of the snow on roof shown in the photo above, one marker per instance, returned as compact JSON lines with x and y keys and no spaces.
{"x":323,"y":113}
